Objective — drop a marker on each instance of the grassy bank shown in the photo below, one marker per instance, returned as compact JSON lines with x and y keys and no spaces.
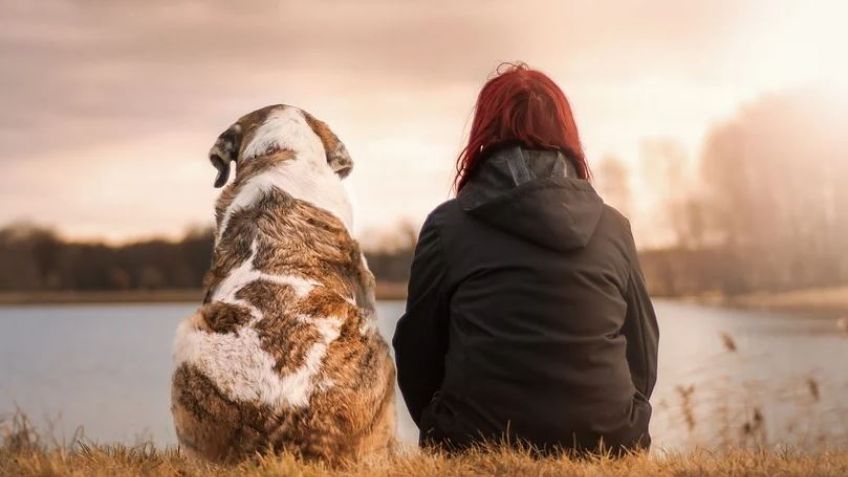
{"x":86,"y":297}
{"x":832,"y":300}
{"x":24,"y":453}
{"x":146,"y":461}
{"x":829,"y":300}
{"x":385,"y":291}
{"x":825,"y":300}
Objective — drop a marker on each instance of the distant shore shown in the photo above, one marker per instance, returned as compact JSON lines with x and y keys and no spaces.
{"x":832,"y":300}
{"x":825,"y":300}
{"x":385,"y":291}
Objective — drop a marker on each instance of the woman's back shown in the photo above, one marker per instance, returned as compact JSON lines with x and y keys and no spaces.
{"x":527,"y":316}
{"x":536,"y":283}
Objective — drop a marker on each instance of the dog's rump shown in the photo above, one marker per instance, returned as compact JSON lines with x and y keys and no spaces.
{"x":213,"y":426}
{"x":349,"y":410}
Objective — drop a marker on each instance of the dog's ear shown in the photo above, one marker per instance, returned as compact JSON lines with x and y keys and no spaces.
{"x":225,"y":150}
{"x":337,"y":156}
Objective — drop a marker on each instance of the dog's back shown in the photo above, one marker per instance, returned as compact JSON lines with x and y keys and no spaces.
{"x":284,"y":354}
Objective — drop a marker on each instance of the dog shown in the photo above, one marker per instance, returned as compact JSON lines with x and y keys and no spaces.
{"x":284,"y":354}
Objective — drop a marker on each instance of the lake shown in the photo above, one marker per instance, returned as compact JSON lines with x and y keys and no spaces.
{"x":726,"y":376}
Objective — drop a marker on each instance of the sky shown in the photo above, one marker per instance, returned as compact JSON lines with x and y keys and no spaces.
{"x":108,"y":107}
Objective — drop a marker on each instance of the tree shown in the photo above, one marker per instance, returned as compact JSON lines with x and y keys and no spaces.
{"x":665,"y":160}
{"x":774,"y":177}
{"x":612,"y":177}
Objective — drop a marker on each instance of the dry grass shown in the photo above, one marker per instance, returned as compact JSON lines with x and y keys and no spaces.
{"x":22,"y":453}
{"x":146,"y":461}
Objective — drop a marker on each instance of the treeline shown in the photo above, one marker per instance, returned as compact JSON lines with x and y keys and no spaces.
{"x":35,"y":258}
{"x":763,"y":208}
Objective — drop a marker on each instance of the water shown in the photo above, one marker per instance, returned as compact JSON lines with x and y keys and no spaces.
{"x":107,"y":368}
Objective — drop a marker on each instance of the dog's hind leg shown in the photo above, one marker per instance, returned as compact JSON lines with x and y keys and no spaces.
{"x":379,"y":439}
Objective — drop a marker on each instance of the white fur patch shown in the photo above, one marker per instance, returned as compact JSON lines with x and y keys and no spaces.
{"x":236,"y":362}
{"x":307,"y":177}
{"x":246,"y":273}
{"x":284,"y":128}
{"x":244,"y":372}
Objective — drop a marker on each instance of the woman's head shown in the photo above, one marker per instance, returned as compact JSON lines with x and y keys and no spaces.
{"x":524,"y":106}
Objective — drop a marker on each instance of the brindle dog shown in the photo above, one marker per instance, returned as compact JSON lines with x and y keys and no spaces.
{"x":284,"y":353}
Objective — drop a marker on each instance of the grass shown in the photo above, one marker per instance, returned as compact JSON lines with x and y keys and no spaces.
{"x":146,"y":461}
{"x":23,"y":453}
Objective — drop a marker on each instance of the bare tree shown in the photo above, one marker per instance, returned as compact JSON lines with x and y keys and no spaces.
{"x":775,"y":177}
{"x":612,"y":178}
{"x":665,"y":161}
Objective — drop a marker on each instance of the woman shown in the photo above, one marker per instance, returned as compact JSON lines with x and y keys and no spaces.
{"x":527,"y":318}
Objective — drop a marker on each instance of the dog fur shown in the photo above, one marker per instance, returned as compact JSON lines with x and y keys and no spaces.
{"x":284,"y":354}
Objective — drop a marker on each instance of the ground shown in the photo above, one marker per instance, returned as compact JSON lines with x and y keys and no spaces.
{"x":25,"y":454}
{"x":146,"y":461}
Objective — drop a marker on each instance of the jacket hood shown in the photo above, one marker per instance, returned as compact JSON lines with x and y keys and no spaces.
{"x":535,"y":195}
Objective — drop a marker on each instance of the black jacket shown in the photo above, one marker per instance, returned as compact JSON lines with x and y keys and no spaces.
{"x":527,"y":314}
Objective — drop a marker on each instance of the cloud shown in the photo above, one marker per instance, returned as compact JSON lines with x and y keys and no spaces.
{"x":87,"y":79}
{"x":82,"y":71}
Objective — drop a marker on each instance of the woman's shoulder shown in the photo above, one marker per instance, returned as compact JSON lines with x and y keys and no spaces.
{"x":451,"y":211}
{"x":447,"y":211}
{"x":615,"y":218}
{"x":615,"y":228}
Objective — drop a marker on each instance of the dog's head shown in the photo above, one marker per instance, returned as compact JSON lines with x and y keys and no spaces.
{"x":276,"y":128}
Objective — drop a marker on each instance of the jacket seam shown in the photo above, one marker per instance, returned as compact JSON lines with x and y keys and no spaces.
{"x":438,"y":230}
{"x":631,"y":257}
{"x":643,"y":345}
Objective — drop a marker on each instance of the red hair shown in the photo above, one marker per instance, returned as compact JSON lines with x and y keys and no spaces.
{"x":523,"y":106}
